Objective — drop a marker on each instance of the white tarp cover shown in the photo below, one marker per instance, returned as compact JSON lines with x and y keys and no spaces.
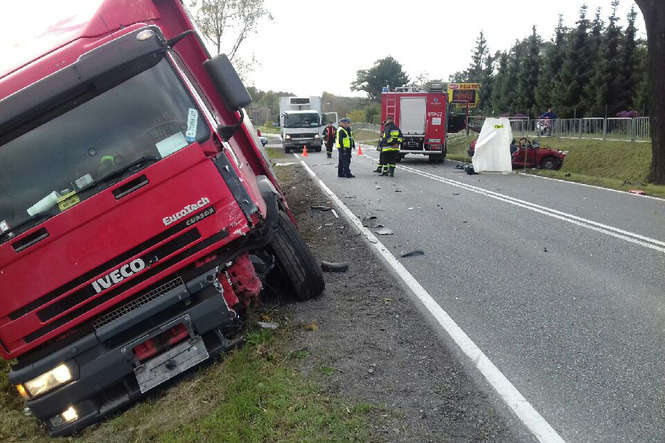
{"x":492,"y":153}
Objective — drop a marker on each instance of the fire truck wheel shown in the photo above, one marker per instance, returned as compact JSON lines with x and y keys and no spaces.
{"x":295,"y":262}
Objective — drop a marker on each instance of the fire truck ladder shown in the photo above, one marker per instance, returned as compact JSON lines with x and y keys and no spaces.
{"x":391,"y":107}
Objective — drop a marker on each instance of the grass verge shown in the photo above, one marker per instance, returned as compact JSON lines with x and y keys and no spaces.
{"x":255,"y":394}
{"x":609,"y":164}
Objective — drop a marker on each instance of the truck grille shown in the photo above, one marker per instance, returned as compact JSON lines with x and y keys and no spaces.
{"x":97,"y":271}
{"x":137,"y":302}
{"x":120,"y":288}
{"x":301,"y":136}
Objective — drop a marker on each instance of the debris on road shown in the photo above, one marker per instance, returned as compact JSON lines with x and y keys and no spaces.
{"x":384,"y":231}
{"x":334,"y":213}
{"x":327,"y":266}
{"x":284,"y":164}
{"x":413,"y":253}
{"x":637,"y":192}
{"x":321,"y":208}
{"x":314,"y":326}
{"x":398,"y":190}
{"x":370,"y":222}
{"x":267,"y":325}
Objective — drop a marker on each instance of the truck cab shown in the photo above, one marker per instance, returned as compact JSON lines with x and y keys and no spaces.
{"x":138,"y":212}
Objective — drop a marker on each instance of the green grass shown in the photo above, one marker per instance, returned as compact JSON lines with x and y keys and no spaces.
{"x":610,"y":164}
{"x":256,"y":394}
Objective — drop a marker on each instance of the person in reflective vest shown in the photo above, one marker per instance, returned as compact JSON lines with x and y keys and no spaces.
{"x":329,"y":133}
{"x":345,"y":144}
{"x":391,"y":139}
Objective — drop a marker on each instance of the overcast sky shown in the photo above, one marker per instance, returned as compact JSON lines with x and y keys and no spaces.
{"x":309,"y":48}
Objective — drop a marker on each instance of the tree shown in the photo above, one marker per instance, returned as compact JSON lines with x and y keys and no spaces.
{"x":527,"y":74}
{"x":546,"y":94}
{"x":217,"y":18}
{"x":654,"y":18}
{"x":628,"y":68}
{"x":575,"y":71}
{"x":595,"y":44}
{"x":385,"y":72}
{"x":500,"y":102}
{"x":475,"y":72}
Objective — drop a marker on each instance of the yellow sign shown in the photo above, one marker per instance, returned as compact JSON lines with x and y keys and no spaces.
{"x":68,"y":200}
{"x":464,"y":86}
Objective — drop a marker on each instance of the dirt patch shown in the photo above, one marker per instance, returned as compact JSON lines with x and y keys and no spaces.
{"x":364,"y":340}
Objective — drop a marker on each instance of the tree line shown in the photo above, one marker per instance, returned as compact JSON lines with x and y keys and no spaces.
{"x":596,"y":68}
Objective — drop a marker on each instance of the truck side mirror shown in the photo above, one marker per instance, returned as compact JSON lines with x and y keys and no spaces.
{"x":227,"y":82}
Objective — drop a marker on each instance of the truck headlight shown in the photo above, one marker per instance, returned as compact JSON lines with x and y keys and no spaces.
{"x":317,"y":136}
{"x":287,"y":137}
{"x":48,"y":381}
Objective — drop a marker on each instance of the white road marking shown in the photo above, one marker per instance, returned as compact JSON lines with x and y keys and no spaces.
{"x":631,"y":237}
{"x":526,"y":413}
{"x":651,"y":197}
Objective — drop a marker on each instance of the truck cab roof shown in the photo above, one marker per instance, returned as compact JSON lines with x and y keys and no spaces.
{"x":68,"y":35}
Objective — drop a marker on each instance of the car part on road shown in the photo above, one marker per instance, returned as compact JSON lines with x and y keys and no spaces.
{"x":327,"y":266}
{"x":414,"y":253}
{"x":321,"y":208}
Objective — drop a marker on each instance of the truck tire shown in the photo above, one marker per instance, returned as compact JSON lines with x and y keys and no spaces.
{"x":301,"y":271}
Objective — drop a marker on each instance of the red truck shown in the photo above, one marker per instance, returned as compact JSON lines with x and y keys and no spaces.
{"x":422,"y":117}
{"x":138,"y":212}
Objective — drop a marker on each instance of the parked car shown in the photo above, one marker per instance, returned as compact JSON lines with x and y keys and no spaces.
{"x":529,"y":154}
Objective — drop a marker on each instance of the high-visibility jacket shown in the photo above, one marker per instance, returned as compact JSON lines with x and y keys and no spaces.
{"x":391,"y":138}
{"x":344,"y":138}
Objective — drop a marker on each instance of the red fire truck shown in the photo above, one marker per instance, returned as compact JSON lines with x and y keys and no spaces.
{"x":138,"y":212}
{"x":422,"y":117}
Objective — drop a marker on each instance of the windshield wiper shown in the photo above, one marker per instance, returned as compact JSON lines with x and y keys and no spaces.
{"x":133,"y":166}
{"x":30,"y":221}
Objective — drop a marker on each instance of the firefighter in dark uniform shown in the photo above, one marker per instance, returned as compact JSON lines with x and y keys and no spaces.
{"x":345,"y":144}
{"x":389,"y":144}
{"x":329,"y":133}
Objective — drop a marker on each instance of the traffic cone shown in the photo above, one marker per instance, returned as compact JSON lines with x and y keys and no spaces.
{"x":304,"y":151}
{"x":360,"y":150}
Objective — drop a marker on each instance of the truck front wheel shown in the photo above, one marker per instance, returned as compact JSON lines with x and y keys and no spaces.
{"x":298,"y":267}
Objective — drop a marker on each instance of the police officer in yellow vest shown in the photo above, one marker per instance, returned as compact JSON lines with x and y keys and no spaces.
{"x":345,"y":143}
{"x":389,"y":144}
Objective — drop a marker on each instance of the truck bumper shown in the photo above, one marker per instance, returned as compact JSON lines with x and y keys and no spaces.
{"x":314,"y":143}
{"x":107,"y":370}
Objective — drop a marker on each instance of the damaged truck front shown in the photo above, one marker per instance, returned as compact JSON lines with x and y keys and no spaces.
{"x":138,"y":212}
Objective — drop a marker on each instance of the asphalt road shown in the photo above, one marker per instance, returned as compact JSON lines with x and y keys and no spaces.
{"x":559,"y":284}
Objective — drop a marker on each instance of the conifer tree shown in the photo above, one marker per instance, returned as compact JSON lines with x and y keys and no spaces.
{"x":575,"y":72}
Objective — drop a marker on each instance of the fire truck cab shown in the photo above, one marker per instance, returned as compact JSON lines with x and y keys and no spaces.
{"x":422,"y":117}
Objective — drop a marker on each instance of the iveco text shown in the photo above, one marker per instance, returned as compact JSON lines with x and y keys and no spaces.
{"x":118,"y":275}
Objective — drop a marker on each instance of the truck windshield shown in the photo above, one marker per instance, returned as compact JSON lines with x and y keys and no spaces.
{"x":305,"y":120}
{"x":91,"y":146}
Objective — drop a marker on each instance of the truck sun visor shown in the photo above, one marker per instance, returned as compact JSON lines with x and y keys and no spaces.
{"x":93,"y":73}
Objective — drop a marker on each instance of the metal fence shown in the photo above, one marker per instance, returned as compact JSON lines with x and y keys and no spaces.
{"x":611,"y":128}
